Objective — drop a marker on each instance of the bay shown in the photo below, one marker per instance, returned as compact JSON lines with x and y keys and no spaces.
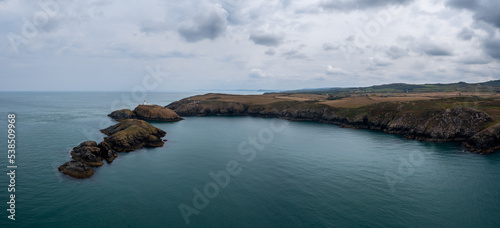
{"x":303,"y":175}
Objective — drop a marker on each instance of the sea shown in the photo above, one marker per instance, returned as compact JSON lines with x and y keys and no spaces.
{"x":234,"y":172}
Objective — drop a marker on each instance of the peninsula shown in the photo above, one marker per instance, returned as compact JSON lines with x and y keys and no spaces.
{"x":468,"y":113}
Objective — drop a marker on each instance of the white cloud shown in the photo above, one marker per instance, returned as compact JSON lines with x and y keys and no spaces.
{"x":330,"y":70}
{"x":257,"y":73}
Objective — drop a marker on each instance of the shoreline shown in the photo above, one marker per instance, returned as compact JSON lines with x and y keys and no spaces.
{"x":420,"y":120}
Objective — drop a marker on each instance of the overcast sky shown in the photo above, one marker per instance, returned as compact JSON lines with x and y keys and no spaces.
{"x":105,"y":45}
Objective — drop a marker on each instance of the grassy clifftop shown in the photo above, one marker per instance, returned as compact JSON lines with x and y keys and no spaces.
{"x":425,"y":116}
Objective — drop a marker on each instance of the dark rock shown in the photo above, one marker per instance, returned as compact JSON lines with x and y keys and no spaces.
{"x":132,"y":134}
{"x":123,"y":114}
{"x":76,"y":169}
{"x":486,"y":141}
{"x":88,"y":152}
{"x":107,"y":152}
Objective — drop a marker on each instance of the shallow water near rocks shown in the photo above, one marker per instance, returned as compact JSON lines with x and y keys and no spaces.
{"x":307,"y":175}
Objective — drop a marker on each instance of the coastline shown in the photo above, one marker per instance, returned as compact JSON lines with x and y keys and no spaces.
{"x":422,"y":120}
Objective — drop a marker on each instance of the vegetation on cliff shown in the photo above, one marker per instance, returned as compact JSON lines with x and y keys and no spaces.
{"x":431,"y":117}
{"x":146,"y":112}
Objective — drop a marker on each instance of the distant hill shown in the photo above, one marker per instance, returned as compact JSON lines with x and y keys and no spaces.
{"x":491,"y":86}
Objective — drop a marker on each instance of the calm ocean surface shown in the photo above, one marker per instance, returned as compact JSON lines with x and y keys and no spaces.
{"x":303,"y":175}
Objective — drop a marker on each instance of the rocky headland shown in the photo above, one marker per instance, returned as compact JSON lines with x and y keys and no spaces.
{"x":126,"y":136}
{"x":440,"y":120}
{"x":148,"y":113}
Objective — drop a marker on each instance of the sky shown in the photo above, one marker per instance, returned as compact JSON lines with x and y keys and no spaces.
{"x":154,"y":45}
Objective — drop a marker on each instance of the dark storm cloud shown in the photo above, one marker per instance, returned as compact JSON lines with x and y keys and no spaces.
{"x":209,"y":26}
{"x":267,"y":39}
{"x":484,"y":10}
{"x":348,"y":5}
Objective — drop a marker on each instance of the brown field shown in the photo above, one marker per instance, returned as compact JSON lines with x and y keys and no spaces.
{"x":353,"y":101}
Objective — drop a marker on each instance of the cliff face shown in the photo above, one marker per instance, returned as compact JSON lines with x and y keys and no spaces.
{"x":146,"y":112}
{"x":486,"y":141}
{"x":413,"y":120}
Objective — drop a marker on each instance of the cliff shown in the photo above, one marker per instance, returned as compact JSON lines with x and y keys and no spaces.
{"x":486,"y":141}
{"x":436,"y":120}
{"x":146,"y":112}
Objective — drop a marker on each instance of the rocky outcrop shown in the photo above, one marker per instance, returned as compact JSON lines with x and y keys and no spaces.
{"x":414,"y":120}
{"x":147,"y":112}
{"x":88,"y":153}
{"x":107,"y":152}
{"x":486,"y":141}
{"x":76,"y":169}
{"x":132,"y":134}
{"x":122,"y":114}
{"x":128,"y":135}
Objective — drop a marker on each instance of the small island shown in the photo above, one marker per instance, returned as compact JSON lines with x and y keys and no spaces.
{"x":130,"y":134}
{"x":148,"y":113}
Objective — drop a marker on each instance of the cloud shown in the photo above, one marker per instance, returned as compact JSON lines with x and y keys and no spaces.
{"x":257,"y":73}
{"x":209,"y":25}
{"x":294,"y":54}
{"x":267,"y":39}
{"x":330,"y":70}
{"x":330,"y":47}
{"x":492,"y":48}
{"x":349,"y":5}
{"x":484,"y":10}
{"x":466,"y":34}
{"x":153,"y":27}
{"x":381,"y":61}
{"x":474,"y":60}
{"x":270,"y":52}
{"x":432,"y":49}
{"x":394,"y":52}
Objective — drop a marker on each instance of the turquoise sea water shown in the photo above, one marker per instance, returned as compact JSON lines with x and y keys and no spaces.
{"x":303,"y":174}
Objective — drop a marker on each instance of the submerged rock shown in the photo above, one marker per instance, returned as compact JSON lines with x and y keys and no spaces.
{"x":147,"y":112}
{"x":76,"y":169}
{"x":132,"y":134}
